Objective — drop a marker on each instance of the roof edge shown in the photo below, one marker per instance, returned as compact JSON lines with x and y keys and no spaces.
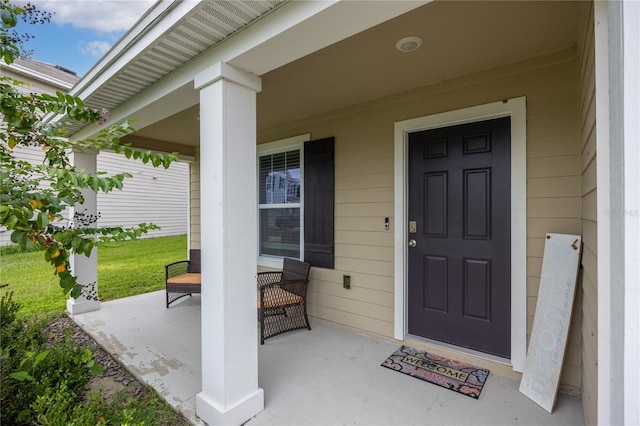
{"x":19,"y":69}
{"x":129,"y":44}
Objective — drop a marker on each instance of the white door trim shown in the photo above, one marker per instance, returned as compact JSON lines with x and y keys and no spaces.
{"x":516,"y":109}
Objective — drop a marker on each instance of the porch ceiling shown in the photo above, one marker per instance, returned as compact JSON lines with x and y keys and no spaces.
{"x":459,"y":38}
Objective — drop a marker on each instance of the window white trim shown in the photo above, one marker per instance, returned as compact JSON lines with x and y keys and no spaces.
{"x":281,"y":145}
{"x":516,"y":109}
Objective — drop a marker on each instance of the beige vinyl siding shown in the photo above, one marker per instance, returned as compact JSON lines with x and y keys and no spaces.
{"x":194,"y":204}
{"x":588,"y":214}
{"x":364,"y":183}
{"x":553,"y":202}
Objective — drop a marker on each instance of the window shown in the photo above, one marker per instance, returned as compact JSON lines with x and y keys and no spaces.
{"x":296,"y":201}
{"x":279,"y":184}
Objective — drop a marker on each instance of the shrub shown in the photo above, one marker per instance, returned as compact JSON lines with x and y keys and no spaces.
{"x":33,"y":370}
{"x":43,"y":381}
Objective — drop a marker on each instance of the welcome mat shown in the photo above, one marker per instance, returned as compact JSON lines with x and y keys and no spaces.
{"x":456,"y":376}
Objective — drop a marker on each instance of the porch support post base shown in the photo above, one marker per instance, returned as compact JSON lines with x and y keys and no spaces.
{"x":78,"y":306}
{"x":238,"y":414}
{"x":230,"y":394}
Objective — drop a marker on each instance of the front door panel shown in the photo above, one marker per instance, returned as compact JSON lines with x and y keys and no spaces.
{"x":459,"y":269}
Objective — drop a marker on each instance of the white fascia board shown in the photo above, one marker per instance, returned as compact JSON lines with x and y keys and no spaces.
{"x":254,"y":48}
{"x":162,"y":16}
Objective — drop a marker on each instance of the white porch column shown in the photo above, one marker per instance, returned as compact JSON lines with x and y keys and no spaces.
{"x":617,"y":38}
{"x":85,"y":268}
{"x":230,"y":392}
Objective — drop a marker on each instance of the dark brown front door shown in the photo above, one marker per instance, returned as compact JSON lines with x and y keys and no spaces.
{"x":459,"y":218}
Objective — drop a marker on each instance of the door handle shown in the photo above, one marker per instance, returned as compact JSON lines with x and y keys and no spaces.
{"x":412,"y":243}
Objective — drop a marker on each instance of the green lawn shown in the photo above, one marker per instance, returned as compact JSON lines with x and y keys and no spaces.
{"x":124,"y":269}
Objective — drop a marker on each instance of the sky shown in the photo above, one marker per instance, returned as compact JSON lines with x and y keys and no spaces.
{"x":80,"y":31}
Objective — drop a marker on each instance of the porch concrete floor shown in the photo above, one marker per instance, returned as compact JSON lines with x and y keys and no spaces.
{"x":325,"y":376}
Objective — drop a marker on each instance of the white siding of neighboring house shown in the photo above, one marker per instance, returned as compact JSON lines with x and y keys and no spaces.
{"x":163,"y":200}
{"x":151,"y":195}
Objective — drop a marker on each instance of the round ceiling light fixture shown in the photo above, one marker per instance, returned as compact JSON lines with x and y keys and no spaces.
{"x":409,"y":44}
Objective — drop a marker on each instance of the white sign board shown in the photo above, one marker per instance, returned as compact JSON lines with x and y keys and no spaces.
{"x":545,"y":354}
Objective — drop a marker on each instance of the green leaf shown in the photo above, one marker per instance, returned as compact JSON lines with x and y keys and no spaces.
{"x":86,"y":355}
{"x":21,"y":376}
{"x":95,"y":184}
{"x":96,"y":369}
{"x":40,"y":357}
{"x":67,"y":281}
{"x":76,"y":291}
{"x":42,"y":220}
{"x":9,"y":20}
{"x":105,"y":185}
{"x":28,"y":355}
{"x":18,"y":237}
{"x":68,"y":284}
{"x":76,"y":242}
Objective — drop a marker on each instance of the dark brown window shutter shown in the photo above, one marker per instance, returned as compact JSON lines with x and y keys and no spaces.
{"x":318,"y":202}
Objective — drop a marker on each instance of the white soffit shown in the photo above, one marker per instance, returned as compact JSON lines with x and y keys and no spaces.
{"x":194,"y":27}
